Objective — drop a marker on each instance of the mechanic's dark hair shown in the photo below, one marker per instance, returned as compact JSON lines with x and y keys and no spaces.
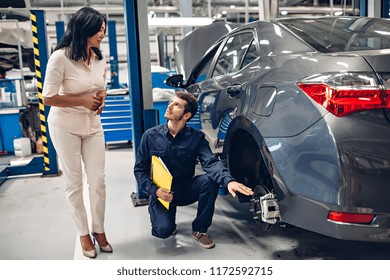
{"x":192,"y":102}
{"x":85,"y":23}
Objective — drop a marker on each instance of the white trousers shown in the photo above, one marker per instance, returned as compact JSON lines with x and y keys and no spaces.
{"x":73,"y":150}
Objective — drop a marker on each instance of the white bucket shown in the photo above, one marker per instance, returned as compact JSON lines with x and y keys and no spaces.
{"x":22,"y":147}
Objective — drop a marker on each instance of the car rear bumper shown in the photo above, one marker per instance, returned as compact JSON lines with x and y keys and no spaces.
{"x":313,"y":216}
{"x":373,"y":232}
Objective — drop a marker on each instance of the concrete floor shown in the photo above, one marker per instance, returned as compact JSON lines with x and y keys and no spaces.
{"x":36,"y":225}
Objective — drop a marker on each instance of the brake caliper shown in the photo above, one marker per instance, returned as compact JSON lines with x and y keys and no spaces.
{"x":265,"y":207}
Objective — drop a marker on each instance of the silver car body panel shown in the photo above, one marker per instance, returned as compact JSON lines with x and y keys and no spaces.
{"x":317,"y":162}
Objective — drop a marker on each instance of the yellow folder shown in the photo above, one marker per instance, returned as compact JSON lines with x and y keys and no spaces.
{"x":161,"y":177}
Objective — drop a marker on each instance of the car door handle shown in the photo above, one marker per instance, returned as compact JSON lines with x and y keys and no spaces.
{"x":234,"y":90}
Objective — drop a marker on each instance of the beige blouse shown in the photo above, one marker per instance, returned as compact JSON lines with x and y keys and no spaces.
{"x":68,"y":77}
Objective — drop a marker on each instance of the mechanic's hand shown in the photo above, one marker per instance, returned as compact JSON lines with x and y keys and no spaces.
{"x":234,"y":187}
{"x":164,"y":194}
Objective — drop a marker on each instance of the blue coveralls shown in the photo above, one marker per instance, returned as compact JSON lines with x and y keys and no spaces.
{"x":180,"y":154}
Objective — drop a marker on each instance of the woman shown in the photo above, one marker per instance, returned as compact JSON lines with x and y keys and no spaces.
{"x":75,"y":88}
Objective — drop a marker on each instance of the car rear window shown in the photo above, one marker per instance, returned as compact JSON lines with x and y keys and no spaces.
{"x":342,"y":34}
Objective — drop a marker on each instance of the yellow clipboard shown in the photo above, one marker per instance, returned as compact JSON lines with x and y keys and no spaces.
{"x":161,"y":177}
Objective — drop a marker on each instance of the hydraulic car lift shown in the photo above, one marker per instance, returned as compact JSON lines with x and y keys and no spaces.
{"x":46,"y":164}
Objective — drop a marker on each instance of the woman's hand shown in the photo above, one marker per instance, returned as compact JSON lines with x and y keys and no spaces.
{"x":91,"y":102}
{"x":101,"y":94}
{"x":100,"y":109}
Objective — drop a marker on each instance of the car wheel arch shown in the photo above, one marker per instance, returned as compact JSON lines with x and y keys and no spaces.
{"x":246,"y":155}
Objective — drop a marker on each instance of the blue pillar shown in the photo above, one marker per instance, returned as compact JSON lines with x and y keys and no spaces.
{"x":133,"y":63}
{"x":142,"y":116}
{"x":385,"y":8}
{"x":363,"y":8}
{"x":38,"y":21}
{"x":60,"y":30}
{"x":111,"y":24}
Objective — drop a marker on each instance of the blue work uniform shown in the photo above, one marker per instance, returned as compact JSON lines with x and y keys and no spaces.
{"x":181,"y":155}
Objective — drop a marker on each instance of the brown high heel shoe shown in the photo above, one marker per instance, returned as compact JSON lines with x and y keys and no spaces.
{"x":87,"y":245}
{"x":104,"y":246}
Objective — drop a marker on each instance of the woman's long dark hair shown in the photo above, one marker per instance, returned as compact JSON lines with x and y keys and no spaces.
{"x":85,"y":23}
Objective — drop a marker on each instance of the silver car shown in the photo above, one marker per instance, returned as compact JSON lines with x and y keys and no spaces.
{"x":299,"y":110}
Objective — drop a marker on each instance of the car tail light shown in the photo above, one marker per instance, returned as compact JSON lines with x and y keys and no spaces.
{"x":354,"y":218}
{"x":387,"y":98}
{"x":343,"y":94}
{"x":386,"y":81}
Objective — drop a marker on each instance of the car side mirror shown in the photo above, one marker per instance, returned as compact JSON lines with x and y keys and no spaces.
{"x":174,"y":80}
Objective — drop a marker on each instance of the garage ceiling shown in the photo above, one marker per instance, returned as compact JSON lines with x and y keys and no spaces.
{"x":200,"y":7}
{"x":238,"y":11}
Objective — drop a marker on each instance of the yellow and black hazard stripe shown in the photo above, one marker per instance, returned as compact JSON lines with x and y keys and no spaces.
{"x":39,"y":85}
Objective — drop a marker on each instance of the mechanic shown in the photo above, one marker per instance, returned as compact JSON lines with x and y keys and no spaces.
{"x":181,"y":147}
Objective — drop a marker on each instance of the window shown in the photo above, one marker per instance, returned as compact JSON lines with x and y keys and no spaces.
{"x":232,"y":55}
{"x":250,"y":55}
{"x":342,"y":33}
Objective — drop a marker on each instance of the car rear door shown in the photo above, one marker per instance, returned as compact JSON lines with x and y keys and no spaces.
{"x":220,"y":92}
